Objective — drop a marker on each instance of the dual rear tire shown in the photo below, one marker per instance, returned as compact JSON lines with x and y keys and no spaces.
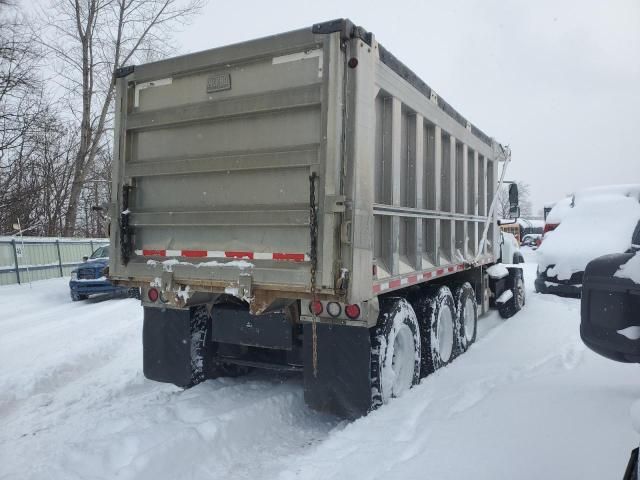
{"x":448,"y":322}
{"x":395,"y":352}
{"x":416,"y":338}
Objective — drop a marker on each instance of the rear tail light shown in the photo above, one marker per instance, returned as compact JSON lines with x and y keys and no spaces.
{"x":352,"y":311}
{"x":315,"y":307}
{"x":549,"y":227}
{"x":153,"y":294}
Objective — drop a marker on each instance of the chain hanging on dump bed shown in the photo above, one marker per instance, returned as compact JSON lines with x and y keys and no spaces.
{"x":313,"y":254}
{"x":125,"y":228}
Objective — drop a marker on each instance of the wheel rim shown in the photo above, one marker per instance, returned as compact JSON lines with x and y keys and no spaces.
{"x":403,"y":361}
{"x":445,"y":334}
{"x":469,"y":320}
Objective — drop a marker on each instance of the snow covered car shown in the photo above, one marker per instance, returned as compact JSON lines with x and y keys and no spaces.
{"x":595,"y":222}
{"x":559,"y":210}
{"x":90,"y":278}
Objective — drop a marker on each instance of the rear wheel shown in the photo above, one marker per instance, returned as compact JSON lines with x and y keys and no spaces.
{"x":437,"y":313}
{"x":199,"y":325}
{"x":518,"y":258}
{"x":517,"y":300}
{"x":395,"y":352}
{"x":467,"y":308}
{"x":134,"y":293}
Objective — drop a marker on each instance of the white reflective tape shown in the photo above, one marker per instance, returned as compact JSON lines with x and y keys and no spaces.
{"x":294,"y":57}
{"x":142,"y":86}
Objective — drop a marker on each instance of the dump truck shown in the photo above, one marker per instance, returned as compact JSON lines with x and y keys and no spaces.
{"x":304,"y":202}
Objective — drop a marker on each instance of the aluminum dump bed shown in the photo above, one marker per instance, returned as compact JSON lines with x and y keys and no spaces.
{"x":309,"y":157}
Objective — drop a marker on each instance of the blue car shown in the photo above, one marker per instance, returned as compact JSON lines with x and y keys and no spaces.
{"x":91,"y":277}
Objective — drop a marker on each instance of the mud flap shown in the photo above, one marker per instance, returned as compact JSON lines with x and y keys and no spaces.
{"x":166,"y":345}
{"x":343,"y":383}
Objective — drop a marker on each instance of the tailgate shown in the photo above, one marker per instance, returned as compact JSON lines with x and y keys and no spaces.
{"x":216,"y":150}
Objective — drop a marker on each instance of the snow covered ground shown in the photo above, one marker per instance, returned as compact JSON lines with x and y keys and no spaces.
{"x":527,"y":401}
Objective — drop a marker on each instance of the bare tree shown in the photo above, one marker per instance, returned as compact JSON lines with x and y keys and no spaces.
{"x":90,"y":40}
{"x":22,"y":104}
{"x":524,"y":194}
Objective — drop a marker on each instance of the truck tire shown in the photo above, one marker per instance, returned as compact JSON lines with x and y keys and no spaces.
{"x":436,"y":312}
{"x":395,"y":352}
{"x":134,"y":293}
{"x":512,"y":306}
{"x":467,"y":308}
{"x":199,"y":325}
{"x":518,"y":258}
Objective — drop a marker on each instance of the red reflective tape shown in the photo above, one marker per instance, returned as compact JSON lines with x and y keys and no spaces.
{"x":460,"y":267}
{"x":194,"y":253}
{"x":440,"y":271}
{"x":248,"y":255}
{"x":154,"y":253}
{"x":376,"y":288}
{"x":428,"y":274}
{"x":394,"y":283}
{"x":295,"y":257}
{"x":412,"y":278}
{"x":451,"y":269}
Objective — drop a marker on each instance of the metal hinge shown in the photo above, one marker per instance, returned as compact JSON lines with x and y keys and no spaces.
{"x":334,"y":204}
{"x":345,"y":232}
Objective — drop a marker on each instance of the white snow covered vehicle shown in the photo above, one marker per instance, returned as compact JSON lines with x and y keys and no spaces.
{"x":589,"y":224}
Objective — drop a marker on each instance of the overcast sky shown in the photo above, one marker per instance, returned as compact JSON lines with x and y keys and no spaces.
{"x":559,"y":81}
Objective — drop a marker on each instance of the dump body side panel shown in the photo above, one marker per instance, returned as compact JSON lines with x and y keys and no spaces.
{"x":422,"y":182}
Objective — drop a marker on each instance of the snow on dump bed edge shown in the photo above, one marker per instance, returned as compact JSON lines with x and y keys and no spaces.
{"x":597,"y":225}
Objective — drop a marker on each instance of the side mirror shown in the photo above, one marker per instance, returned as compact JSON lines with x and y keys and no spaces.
{"x":514,"y":208}
{"x":609,"y":320}
{"x":85,"y":258}
{"x":513,"y":195}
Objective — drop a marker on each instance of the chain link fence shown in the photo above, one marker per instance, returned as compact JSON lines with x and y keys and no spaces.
{"x":27,"y":259}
